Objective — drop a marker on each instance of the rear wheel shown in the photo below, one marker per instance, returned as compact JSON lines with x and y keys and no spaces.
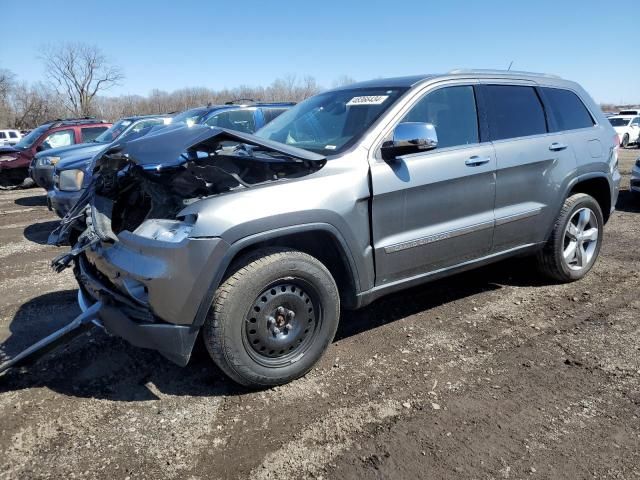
{"x":273,"y":318}
{"x":625,"y":141}
{"x":574,"y":244}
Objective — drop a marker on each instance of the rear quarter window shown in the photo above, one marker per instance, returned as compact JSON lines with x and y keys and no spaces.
{"x":514,"y":111}
{"x":90,"y":133}
{"x":567,"y":109}
{"x":271,"y":113}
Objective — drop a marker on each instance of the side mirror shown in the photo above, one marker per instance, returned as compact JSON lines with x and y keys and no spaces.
{"x":410,"y":137}
{"x":40,"y":148}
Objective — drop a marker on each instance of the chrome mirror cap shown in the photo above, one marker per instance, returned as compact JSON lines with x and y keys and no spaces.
{"x":410,"y":137}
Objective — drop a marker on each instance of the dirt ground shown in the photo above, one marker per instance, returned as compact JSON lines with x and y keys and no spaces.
{"x":487,"y":375}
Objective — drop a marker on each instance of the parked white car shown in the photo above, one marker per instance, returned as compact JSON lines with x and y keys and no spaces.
{"x":9,"y":137}
{"x":628,"y":129}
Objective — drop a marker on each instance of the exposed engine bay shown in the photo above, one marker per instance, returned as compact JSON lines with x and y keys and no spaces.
{"x":157,"y":176}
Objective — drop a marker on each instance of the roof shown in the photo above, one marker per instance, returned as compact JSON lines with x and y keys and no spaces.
{"x":412,"y":80}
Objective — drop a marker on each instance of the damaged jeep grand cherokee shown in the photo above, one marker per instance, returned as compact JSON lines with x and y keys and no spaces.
{"x":257,"y":241}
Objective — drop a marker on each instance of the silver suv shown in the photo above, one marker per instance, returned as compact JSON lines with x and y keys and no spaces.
{"x":259,"y":240}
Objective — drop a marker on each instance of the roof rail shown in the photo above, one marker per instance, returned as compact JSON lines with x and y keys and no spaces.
{"x":75,"y":121}
{"x":240,"y":101}
{"x":499,"y":72}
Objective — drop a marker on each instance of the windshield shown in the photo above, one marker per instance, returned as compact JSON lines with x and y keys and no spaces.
{"x":114,"y":132}
{"x":189,"y":117}
{"x":331,"y":122}
{"x":28,"y":140}
{"x":619,"y":122}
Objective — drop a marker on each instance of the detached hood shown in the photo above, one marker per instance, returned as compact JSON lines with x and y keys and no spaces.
{"x":167,"y":146}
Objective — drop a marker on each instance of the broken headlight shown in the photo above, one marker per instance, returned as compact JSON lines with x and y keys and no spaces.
{"x":70,"y":180}
{"x":173,"y":231}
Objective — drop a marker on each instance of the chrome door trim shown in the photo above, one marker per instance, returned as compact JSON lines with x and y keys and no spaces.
{"x":518,"y":216}
{"x":438,"y":236}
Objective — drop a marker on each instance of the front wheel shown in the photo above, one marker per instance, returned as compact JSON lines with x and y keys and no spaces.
{"x":273,"y":318}
{"x":575,"y":241}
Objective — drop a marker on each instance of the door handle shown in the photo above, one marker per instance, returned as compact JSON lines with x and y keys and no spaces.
{"x":476,"y":161}
{"x":556,"y":147}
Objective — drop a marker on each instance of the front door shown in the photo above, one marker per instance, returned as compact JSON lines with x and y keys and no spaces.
{"x":434,"y":209}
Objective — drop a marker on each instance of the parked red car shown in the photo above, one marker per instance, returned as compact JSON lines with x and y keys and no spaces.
{"x":15,"y":160}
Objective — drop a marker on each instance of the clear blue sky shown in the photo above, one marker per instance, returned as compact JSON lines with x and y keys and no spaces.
{"x":173,"y":44}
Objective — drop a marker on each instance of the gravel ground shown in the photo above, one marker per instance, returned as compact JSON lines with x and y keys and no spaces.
{"x":489,"y":374}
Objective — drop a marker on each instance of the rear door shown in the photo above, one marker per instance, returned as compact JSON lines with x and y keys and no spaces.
{"x":531,"y":163}
{"x":434,"y":209}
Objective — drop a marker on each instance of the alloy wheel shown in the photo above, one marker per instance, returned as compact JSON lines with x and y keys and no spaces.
{"x":580,"y":239}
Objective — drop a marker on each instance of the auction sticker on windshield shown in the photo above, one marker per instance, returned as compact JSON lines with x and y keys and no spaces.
{"x":367,"y":100}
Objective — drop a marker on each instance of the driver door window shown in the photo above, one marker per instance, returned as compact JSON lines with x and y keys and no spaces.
{"x":452,"y":111}
{"x":61,"y":138}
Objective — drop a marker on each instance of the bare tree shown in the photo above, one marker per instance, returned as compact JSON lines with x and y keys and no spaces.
{"x":78,"y":72}
{"x":6,"y":86}
{"x":34,"y":105}
{"x":343,"y":81}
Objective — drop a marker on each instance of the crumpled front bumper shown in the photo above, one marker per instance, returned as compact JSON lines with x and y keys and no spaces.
{"x":42,"y":175}
{"x":155,"y":294}
{"x":61,"y":202}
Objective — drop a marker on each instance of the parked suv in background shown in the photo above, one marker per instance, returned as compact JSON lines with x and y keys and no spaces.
{"x":259,"y":240}
{"x":627,"y":127}
{"x":15,"y":161}
{"x":73,"y":174}
{"x":9,"y":137}
{"x":41,"y":167}
{"x":243,"y":117}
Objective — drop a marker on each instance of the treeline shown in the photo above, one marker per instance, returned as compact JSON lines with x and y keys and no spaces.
{"x":25,"y":106}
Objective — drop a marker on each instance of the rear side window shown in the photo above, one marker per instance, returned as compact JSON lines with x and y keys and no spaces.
{"x":514,"y":111}
{"x":89,"y":134}
{"x":241,"y":120}
{"x":271,"y":113}
{"x":567,"y":109}
{"x":3,"y":135}
{"x":452,"y":111}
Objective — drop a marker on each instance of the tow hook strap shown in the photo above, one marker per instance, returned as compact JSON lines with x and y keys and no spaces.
{"x":79,"y":325}
{"x":63,"y":261}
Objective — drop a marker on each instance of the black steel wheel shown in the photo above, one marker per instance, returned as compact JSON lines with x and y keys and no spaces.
{"x":273,"y":318}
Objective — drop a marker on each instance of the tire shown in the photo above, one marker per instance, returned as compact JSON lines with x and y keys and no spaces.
{"x":571,"y":251}
{"x":625,"y":141}
{"x":250,"y":331}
